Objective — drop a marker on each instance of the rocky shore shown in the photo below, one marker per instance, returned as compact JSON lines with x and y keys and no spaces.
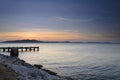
{"x":24,"y":71}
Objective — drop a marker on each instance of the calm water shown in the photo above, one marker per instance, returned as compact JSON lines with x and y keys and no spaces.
{"x":79,"y":61}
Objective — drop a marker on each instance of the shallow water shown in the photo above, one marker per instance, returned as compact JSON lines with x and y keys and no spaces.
{"x":79,"y":61}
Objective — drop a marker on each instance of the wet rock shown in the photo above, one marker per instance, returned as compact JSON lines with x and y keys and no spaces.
{"x":50,"y":72}
{"x":38,"y":66}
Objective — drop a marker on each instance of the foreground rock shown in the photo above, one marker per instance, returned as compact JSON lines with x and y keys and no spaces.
{"x":6,"y":73}
{"x":25,"y":71}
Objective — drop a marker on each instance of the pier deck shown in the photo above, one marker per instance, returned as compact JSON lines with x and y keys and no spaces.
{"x":20,"y":49}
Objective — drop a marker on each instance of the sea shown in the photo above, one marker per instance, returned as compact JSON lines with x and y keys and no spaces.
{"x":80,"y":61}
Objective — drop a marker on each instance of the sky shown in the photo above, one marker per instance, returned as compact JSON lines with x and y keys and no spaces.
{"x":60,"y":20}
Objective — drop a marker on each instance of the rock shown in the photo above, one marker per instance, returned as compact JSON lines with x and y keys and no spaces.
{"x":38,"y":66}
{"x":50,"y":72}
{"x":68,"y":78}
{"x":26,"y":71}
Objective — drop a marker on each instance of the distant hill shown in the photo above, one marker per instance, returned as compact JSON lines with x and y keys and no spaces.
{"x":37,"y":41}
{"x":34,"y":41}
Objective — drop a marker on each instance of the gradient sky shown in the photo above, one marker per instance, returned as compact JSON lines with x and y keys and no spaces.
{"x":73,"y":20}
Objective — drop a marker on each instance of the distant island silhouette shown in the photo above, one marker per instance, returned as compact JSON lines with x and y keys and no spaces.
{"x":33,"y":41}
{"x":39,"y":41}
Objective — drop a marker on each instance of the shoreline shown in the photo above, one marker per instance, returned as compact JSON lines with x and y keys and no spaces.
{"x":25,"y":71}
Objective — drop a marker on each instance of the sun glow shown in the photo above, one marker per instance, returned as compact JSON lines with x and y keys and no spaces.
{"x":48,"y":36}
{"x":52,"y":36}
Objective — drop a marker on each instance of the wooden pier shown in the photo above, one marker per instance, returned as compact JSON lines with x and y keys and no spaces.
{"x":20,"y":49}
{"x":14,"y":51}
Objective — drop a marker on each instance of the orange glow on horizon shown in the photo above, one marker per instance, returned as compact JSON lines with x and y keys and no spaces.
{"x":47,"y":36}
{"x":53,"y":36}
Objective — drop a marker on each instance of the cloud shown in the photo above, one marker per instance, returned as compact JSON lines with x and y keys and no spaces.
{"x":73,"y":20}
{"x":62,"y":19}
